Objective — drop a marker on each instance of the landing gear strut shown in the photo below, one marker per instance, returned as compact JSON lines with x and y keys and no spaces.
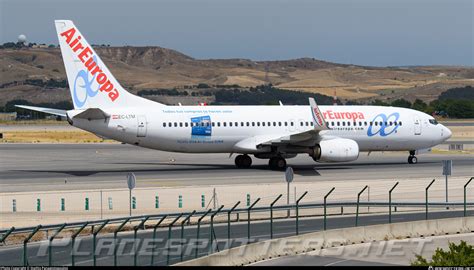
{"x":411,"y":158}
{"x":243,"y":161}
{"x":277,"y":163}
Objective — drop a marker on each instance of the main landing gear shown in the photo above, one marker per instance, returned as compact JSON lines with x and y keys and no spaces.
{"x":277,"y":163}
{"x":411,"y":158}
{"x":243,"y":161}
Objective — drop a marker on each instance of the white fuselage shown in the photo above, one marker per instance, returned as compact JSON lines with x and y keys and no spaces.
{"x":217,"y":129}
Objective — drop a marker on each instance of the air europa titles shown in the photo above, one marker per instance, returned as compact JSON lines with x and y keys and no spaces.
{"x":343,"y":115}
{"x":85,"y":54}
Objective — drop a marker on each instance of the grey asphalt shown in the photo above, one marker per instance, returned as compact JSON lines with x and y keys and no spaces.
{"x":312,"y":260}
{"x":12,"y":255}
{"x":37,"y":167}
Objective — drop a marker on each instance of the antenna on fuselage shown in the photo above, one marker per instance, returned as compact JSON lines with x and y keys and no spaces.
{"x":281,"y":104}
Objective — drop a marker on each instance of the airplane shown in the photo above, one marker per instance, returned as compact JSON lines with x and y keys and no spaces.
{"x":325,"y":133}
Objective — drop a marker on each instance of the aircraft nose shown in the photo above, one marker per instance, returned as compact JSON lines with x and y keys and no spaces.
{"x":446,"y":133}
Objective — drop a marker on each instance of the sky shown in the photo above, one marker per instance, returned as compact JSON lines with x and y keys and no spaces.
{"x":362,"y":32}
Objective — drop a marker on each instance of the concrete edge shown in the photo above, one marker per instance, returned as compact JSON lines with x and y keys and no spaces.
{"x":293,"y":245}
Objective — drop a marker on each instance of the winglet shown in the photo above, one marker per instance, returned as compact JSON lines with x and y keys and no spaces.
{"x":318,"y":118}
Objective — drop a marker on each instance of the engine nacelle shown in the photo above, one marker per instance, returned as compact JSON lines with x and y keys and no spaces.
{"x":336,"y":150}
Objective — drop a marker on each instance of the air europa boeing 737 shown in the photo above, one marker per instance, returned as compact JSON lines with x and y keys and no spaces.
{"x":276,"y":133}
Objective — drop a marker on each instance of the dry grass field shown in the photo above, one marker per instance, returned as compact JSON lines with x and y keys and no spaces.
{"x":51,"y":136}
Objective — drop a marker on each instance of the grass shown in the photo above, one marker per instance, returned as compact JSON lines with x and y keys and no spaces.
{"x":33,"y":122}
{"x":51,"y":137}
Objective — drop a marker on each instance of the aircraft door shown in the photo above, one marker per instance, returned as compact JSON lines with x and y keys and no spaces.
{"x":417,"y":124}
{"x":141,"y":127}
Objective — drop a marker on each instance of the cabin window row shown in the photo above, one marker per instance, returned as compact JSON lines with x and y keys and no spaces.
{"x":360,"y":124}
{"x":233,"y":124}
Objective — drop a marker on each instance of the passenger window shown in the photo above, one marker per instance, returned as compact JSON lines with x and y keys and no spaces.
{"x":218,"y":124}
{"x":186,"y":124}
{"x":169,"y":124}
{"x":344,"y":124}
{"x":301,"y":123}
{"x":241,"y":124}
{"x":279,"y":124}
{"x":248,"y":123}
{"x":213,"y":124}
{"x":376,"y":123}
{"x":180,"y":124}
{"x":258,"y":123}
{"x":263,"y":123}
{"x":286,"y":124}
{"x":225,"y":124}
{"x":236,"y":124}
{"x":230,"y":124}
{"x":292,"y":123}
{"x":381,"y":123}
{"x":311,"y":123}
{"x":253,"y":124}
{"x":164,"y":124}
{"x":274,"y":124}
{"x":400,"y":123}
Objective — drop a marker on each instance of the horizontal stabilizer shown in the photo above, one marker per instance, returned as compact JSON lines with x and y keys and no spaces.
{"x":44,"y":110}
{"x":92,"y":114}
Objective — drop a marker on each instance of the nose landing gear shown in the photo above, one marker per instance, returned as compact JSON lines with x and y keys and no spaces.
{"x":243,"y":161}
{"x":411,"y":158}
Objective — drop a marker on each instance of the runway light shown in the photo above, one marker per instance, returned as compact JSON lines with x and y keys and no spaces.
{"x":157,"y":202}
{"x":38,"y":205}
{"x":63,"y":204}
{"x":180,"y":201}
{"x":86,"y":207}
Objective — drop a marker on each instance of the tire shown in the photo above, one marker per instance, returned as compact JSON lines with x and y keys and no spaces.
{"x":246,"y":161}
{"x":412,"y":160}
{"x":238,"y":161}
{"x":280,"y":163}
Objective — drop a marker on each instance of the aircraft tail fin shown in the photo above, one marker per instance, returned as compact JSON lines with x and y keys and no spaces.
{"x":91,"y":83}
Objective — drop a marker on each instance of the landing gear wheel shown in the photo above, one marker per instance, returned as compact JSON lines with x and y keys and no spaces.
{"x":243,"y":161}
{"x":277,"y":163}
{"x":412,"y":160}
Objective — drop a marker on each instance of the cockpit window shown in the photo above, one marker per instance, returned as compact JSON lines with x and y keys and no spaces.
{"x":433,"y":121}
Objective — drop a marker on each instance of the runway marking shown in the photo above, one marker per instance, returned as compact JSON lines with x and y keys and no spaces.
{"x":333,"y":263}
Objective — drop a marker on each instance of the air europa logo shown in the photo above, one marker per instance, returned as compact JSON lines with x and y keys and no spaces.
{"x":85,"y":54}
{"x":343,"y":115}
{"x":383,"y":128}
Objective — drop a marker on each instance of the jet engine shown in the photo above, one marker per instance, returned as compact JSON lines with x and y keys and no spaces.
{"x":335,"y":150}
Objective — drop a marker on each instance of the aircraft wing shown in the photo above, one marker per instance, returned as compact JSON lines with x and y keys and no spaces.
{"x":309,"y":135}
{"x":43,"y":110}
{"x":304,"y":138}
